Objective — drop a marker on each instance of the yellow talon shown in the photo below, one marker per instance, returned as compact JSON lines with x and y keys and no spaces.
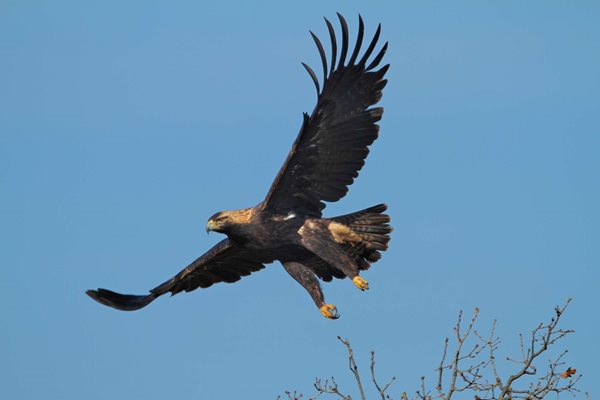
{"x":329,"y":311}
{"x":360,"y":283}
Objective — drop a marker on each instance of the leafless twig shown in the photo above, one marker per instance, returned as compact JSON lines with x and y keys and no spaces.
{"x":380,"y":390}
{"x":468,"y":370}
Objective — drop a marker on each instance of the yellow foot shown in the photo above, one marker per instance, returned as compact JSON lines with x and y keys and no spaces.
{"x":360,"y":283}
{"x":329,"y":311}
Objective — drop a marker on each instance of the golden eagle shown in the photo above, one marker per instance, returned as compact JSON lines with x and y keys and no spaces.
{"x":288,"y":226}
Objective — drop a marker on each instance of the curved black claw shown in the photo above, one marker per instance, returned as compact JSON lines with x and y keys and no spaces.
{"x":329,"y":311}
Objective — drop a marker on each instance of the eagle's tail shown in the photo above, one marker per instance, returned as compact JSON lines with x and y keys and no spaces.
{"x":372,"y":226}
{"x":125,"y":302}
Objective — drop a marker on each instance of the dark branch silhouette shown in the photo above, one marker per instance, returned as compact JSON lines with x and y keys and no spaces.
{"x":469,"y":365}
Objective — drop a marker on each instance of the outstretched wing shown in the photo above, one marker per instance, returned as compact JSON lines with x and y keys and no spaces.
{"x":225,"y":262}
{"x":333,"y":142}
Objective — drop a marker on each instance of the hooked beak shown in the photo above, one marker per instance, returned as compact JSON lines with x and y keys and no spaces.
{"x":210,"y":226}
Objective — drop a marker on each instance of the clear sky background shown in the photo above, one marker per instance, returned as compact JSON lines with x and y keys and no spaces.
{"x":125,"y":125}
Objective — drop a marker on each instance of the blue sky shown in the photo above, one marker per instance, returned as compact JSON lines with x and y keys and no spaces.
{"x":124,"y":126}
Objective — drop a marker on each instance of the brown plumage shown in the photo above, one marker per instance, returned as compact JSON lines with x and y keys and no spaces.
{"x":287,"y":226}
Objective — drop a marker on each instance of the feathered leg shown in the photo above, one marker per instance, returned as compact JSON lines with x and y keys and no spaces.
{"x":318,"y":238}
{"x":308,"y":280}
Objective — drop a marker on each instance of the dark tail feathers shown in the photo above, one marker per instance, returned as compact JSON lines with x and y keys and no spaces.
{"x":372,"y":225}
{"x":125,"y":302}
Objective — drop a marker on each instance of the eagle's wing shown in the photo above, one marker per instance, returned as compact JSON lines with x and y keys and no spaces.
{"x":225,"y":262}
{"x":333,"y":142}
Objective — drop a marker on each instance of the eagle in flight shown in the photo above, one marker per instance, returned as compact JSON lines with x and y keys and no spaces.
{"x":288,"y":226}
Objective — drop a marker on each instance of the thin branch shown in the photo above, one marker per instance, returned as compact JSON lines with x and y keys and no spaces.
{"x":549,"y":335}
{"x":441,"y":368}
{"x":353,"y":367}
{"x":470,"y":371}
{"x":457,"y":355}
{"x":379,"y":389}
{"x":329,"y":388}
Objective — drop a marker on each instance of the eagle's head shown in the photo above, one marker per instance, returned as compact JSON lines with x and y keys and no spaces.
{"x":226,"y":221}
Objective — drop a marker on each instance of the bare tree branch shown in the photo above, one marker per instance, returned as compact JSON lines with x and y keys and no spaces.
{"x":329,"y":388}
{"x":470,"y":371}
{"x":379,"y":389}
{"x":353,"y":367}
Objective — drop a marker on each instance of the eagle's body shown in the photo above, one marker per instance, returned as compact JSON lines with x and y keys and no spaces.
{"x":288,"y":225}
{"x":272,"y":236}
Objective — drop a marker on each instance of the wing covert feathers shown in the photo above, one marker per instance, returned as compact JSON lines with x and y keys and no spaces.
{"x":225,"y":262}
{"x":334,"y":140}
